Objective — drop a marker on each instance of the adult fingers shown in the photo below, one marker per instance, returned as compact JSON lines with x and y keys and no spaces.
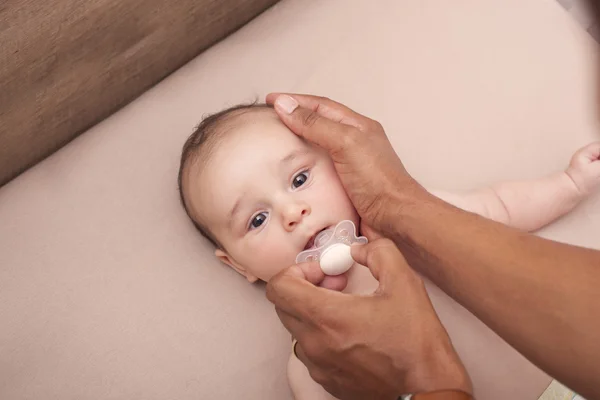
{"x":313,"y":273}
{"x":293,"y":325}
{"x":337,"y":283}
{"x":382,"y":257}
{"x":301,"y":354}
{"x":310,"y":271}
{"x":316,"y":372}
{"x":292,"y":293}
{"x":312,"y":126}
{"x":325,"y":107}
{"x":369,"y":232}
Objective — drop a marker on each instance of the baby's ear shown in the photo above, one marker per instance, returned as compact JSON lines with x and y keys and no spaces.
{"x":228,"y":260}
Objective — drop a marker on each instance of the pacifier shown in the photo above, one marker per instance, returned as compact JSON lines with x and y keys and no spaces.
{"x":332,"y":249}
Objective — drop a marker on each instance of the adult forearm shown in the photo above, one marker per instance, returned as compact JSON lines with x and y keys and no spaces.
{"x":539,"y":295}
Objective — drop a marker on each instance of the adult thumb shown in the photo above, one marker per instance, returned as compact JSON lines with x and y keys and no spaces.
{"x":310,"y":125}
{"x":383,"y":259}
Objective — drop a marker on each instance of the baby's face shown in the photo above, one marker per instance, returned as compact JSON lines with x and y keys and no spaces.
{"x":265,"y":194}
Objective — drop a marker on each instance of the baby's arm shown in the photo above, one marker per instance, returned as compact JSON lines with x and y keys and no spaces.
{"x":302,"y":385}
{"x":530,"y":205}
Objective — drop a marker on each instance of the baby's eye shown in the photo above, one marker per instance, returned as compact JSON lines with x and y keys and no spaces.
{"x":258,"y":220}
{"x":300,"y":179}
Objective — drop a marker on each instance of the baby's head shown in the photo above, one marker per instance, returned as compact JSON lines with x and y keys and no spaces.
{"x":257,"y":191}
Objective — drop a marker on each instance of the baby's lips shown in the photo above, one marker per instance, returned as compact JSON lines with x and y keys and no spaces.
{"x":344,"y":233}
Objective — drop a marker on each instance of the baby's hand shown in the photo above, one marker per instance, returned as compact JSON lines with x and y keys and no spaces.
{"x":584,"y":169}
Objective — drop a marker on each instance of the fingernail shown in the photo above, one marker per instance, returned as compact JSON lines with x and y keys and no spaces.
{"x":286,"y":103}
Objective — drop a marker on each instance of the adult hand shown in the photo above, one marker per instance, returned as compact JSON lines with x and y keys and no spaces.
{"x":366,"y":163}
{"x":375,"y":347}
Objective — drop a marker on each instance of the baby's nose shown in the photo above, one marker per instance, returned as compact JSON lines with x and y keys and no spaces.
{"x":294,"y":214}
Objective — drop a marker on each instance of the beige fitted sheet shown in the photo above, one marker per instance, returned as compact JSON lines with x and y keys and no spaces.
{"x":106,"y":290}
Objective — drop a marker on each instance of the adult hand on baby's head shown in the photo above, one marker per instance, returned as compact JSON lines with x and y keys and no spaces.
{"x":375,"y":347}
{"x":584,"y":169}
{"x":366,"y":163}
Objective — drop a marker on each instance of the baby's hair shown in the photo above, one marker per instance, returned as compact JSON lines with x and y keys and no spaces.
{"x":200,"y":144}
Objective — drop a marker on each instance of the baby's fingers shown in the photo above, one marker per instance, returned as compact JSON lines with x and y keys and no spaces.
{"x":590,"y":153}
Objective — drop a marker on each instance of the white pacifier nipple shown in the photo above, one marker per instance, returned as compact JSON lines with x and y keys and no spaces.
{"x":332,"y":249}
{"x":336,"y":259}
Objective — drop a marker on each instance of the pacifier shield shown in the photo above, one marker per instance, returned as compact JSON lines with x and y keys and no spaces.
{"x":333,"y":248}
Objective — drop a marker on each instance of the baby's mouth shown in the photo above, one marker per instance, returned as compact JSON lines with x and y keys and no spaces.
{"x":311,"y":242}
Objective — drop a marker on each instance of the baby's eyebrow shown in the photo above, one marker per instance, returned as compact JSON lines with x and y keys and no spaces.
{"x":293,"y":155}
{"x":234,"y":210}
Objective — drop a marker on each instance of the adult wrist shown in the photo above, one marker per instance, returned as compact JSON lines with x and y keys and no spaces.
{"x":402,"y":207}
{"x":438,"y":368}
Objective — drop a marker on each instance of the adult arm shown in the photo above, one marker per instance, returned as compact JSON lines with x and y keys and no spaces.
{"x":539,"y":295}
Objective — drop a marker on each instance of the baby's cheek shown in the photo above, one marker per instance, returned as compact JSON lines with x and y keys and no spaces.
{"x":270,"y":258}
{"x":334,"y":186}
{"x":281,"y":260}
{"x":338,"y":199}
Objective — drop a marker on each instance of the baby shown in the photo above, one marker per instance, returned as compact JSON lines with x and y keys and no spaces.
{"x":261,"y":194}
